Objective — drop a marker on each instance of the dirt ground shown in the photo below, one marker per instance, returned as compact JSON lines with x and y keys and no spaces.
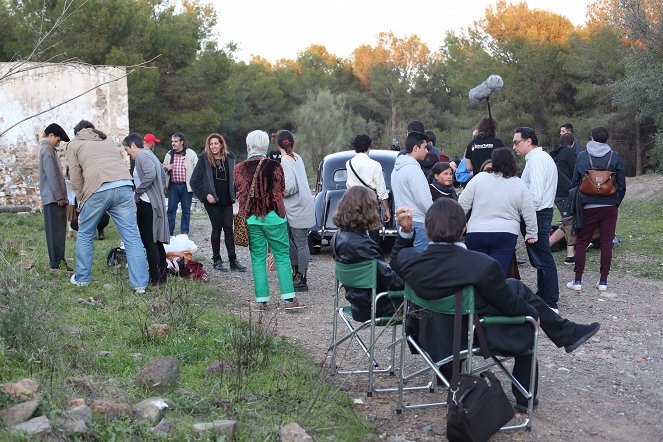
{"x":609,"y":389}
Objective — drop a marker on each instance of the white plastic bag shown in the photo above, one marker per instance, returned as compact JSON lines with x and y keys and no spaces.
{"x":180,"y":243}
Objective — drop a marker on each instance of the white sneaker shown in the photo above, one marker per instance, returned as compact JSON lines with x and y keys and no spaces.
{"x":139,"y":290}
{"x":602,"y":287}
{"x":76,"y":283}
{"x":574,"y":285}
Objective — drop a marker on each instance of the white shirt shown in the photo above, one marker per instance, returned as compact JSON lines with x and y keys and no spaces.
{"x":540,"y":175}
{"x":370,"y":171}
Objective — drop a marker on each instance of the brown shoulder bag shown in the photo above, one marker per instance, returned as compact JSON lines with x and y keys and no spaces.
{"x":240,"y":227}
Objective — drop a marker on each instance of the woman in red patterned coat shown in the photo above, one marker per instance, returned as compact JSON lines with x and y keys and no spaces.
{"x":260,"y":188}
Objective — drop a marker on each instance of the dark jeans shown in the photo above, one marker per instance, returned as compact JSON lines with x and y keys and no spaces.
{"x":55,"y":224}
{"x":541,"y":257}
{"x":156,"y":255}
{"x":221,"y":217}
{"x":605,"y":218}
{"x":497,"y":245}
{"x":178,"y":193}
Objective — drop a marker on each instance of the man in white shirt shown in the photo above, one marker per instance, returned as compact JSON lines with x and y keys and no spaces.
{"x":364,"y":171}
{"x":540,"y":175}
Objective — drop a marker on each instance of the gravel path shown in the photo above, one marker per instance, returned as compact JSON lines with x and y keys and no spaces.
{"x":609,"y":389}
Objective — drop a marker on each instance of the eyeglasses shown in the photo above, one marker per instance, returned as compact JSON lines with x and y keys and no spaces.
{"x":516,"y":142}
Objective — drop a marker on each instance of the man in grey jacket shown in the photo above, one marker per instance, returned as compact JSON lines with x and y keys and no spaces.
{"x":410,"y":186}
{"x":53,"y":193}
{"x":150,"y":180}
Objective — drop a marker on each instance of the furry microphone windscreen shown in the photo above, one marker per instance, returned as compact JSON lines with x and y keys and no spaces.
{"x":493,"y":84}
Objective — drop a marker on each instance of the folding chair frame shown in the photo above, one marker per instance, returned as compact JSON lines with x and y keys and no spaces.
{"x":364,"y":275}
{"x":446,"y":306}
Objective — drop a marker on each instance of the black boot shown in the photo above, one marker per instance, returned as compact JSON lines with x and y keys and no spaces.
{"x":300,"y":285}
{"x":219,"y":265}
{"x":237,"y":266}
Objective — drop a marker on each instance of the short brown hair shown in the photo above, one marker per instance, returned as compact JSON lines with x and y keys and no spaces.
{"x":357,"y":209}
{"x":445,"y":221}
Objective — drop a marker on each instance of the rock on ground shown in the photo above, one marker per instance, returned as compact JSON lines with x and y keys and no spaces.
{"x":159,"y":374}
{"x":225,"y":428}
{"x":36,"y":426}
{"x":152,"y":409}
{"x":19,"y":413}
{"x":294,"y":433}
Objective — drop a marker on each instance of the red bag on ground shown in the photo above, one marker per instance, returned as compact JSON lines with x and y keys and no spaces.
{"x":195,"y":270}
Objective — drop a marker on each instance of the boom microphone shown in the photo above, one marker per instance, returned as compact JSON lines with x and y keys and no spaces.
{"x":493,"y":84}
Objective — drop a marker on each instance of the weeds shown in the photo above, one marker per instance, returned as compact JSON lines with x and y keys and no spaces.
{"x":269,"y":383}
{"x":172,"y":304}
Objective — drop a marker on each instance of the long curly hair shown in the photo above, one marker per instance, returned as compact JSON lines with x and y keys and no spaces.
{"x":358,"y":209}
{"x":223,"y":152}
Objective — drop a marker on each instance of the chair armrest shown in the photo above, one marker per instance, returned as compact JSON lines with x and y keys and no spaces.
{"x":396,"y":294}
{"x":503,"y":320}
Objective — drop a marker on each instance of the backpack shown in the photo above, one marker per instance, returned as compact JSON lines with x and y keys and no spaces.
{"x":116,"y":257}
{"x":598,"y":182}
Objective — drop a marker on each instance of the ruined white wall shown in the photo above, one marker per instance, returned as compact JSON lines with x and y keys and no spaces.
{"x":41,"y":87}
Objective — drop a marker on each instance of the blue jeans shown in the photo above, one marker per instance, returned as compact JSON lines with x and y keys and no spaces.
{"x":420,"y":237}
{"x":178,"y":193}
{"x":119,"y":202}
{"x":498,"y":245}
{"x":541,"y":257}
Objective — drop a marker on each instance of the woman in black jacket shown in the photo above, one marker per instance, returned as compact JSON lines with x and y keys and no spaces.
{"x":357,"y":213}
{"x":213,"y":183}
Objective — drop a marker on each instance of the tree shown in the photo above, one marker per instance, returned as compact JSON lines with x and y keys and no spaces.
{"x":324,"y":124}
{"x":256,"y":102}
{"x":389,"y":73}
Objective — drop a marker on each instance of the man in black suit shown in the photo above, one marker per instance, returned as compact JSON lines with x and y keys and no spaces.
{"x":446,"y":266}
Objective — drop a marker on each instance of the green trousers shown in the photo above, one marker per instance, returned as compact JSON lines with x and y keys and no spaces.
{"x":276,"y":238}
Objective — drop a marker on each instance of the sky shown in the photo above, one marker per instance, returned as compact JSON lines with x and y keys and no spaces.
{"x":276,"y":29}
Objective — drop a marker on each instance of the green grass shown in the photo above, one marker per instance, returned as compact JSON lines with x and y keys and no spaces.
{"x":272,"y":382}
{"x":640,"y":227}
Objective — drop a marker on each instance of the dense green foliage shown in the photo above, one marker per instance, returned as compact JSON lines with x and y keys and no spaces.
{"x":605,"y":73}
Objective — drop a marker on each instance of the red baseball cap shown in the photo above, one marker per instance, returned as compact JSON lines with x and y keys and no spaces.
{"x":149,"y":138}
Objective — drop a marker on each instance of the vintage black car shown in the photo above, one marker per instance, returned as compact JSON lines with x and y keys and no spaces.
{"x":330,"y":186}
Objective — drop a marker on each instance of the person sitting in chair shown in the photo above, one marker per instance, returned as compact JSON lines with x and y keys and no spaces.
{"x":356,"y":215}
{"x":494,"y":294}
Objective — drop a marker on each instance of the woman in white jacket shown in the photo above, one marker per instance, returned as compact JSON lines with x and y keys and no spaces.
{"x":498,"y":200}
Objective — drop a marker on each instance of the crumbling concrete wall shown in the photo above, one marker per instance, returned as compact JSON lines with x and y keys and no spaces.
{"x":38,"y":88}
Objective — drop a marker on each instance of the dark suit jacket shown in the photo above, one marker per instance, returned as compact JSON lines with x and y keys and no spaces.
{"x":443,"y":269}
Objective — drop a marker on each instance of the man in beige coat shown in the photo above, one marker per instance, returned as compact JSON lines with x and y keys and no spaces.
{"x":102,"y":184}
